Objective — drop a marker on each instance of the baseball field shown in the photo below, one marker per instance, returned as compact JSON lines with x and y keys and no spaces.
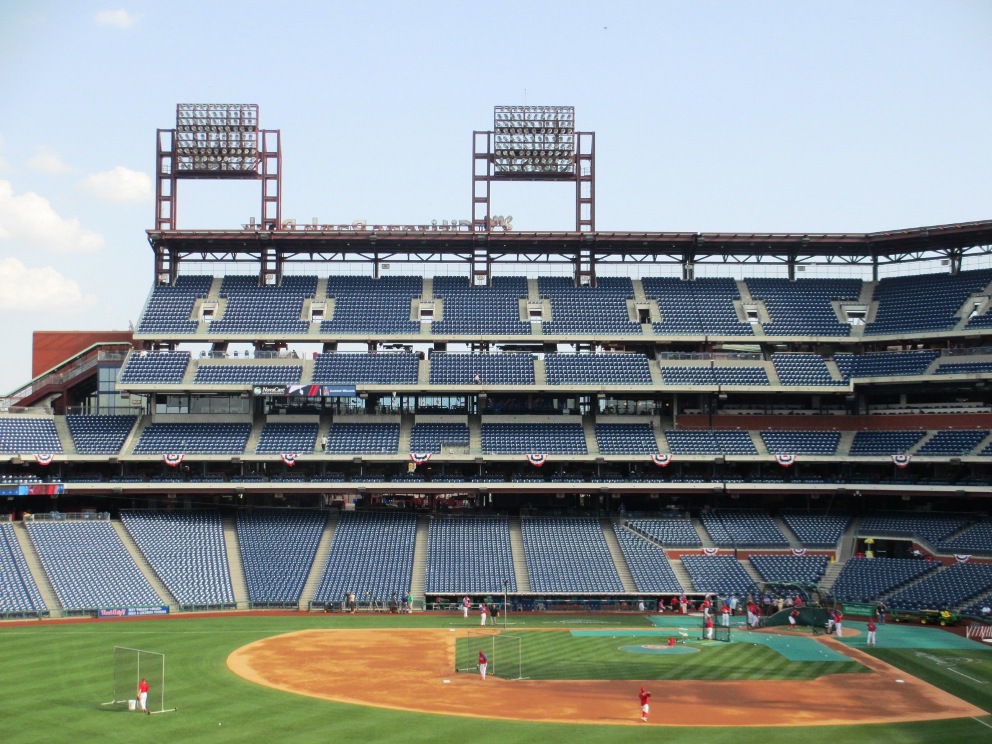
{"x":267,"y":677}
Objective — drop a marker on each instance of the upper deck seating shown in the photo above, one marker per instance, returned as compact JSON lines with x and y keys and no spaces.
{"x":924,"y":303}
{"x":170,"y":307}
{"x":952,"y":443}
{"x":248,"y":374}
{"x":478,"y":309}
{"x":648,"y":563}
{"x":255,"y":308}
{"x":360,"y":439}
{"x":296,"y":438}
{"x":884,"y":363}
{"x":568,"y":556}
{"x":188,"y":553}
{"x":704,"y":307}
{"x":278,"y":547}
{"x":469,"y":555}
{"x":22,"y":435}
{"x":727,"y":376}
{"x":586,"y":309}
{"x":99,"y":435}
{"x":163,"y":367}
{"x":804,"y":307}
{"x":964,"y":368}
{"x":482,"y":369}
{"x":884,"y":442}
{"x":365,"y":369}
{"x":363,"y":304}
{"x":801,"y":442}
{"x":548,"y":439}
{"x":803,"y":369}
{"x":597,"y":369}
{"x":710,"y":442}
{"x":206,"y":439}
{"x":431,"y":436}
{"x":624,"y":439}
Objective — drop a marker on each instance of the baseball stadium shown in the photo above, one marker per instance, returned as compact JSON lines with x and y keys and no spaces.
{"x":334,"y":466}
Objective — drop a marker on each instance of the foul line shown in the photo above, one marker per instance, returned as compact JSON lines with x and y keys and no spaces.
{"x":979,"y":681}
{"x":981,"y":722}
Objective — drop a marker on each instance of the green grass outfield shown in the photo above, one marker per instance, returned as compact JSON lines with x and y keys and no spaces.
{"x":53,"y":678}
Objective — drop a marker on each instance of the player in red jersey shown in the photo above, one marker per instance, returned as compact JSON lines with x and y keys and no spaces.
{"x":645,"y":697}
{"x":483,"y":663}
{"x":143,"y":696}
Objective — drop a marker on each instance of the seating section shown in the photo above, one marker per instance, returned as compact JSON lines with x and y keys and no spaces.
{"x":371,"y":556}
{"x":952,"y":443}
{"x":704,"y":307}
{"x":597,"y":369}
{"x":547,"y":439}
{"x":884,"y":442}
{"x":801,"y":442}
{"x":362,"y":439}
{"x":19,"y":592}
{"x":926,"y":302}
{"x":965,"y":368}
{"x":722,"y":575}
{"x":710,"y":442}
{"x":187,"y":551}
{"x":484,"y":369}
{"x":287,"y":438}
{"x":648,"y":563}
{"x":568,"y":555}
{"x":804,"y":307}
{"x":796,"y":569}
{"x":160,"y":368}
{"x":727,"y":376}
{"x":580,"y":310}
{"x":867,"y":579}
{"x":99,"y":435}
{"x":884,"y":363}
{"x":669,"y":531}
{"x":976,"y":538}
{"x":803,"y":369}
{"x":365,"y":369}
{"x":268,"y":309}
{"x":170,"y":307}
{"x":816,"y":530}
{"x":470,"y":555}
{"x":204,"y":439}
{"x":366,"y":305}
{"x":22,"y":435}
{"x":931,"y":527}
{"x":492,"y":309}
{"x":432,"y":436}
{"x":248,"y":374}
{"x":743,"y":529}
{"x":626,"y":439}
{"x":278,"y":547}
{"x":88,"y":566}
{"x":944,"y":589}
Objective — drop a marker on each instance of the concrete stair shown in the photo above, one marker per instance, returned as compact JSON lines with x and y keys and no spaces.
{"x":37,"y":570}
{"x":319,"y":561}
{"x":418,"y":580}
{"x":139,"y":560}
{"x":682,"y":575}
{"x":626,"y":578}
{"x":235,"y":564}
{"x":520,"y":572}
{"x":65,"y":436}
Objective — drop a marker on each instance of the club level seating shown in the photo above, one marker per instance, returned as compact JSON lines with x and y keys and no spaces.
{"x":715,"y":442}
{"x":804,"y":307}
{"x":170,"y":307}
{"x":254,"y":308}
{"x":579,"y":310}
{"x":803,"y":369}
{"x":363,"y":304}
{"x":248,"y":374}
{"x":88,"y":566}
{"x":277,"y":550}
{"x":722,"y":575}
{"x":187,"y":552}
{"x":99,"y":435}
{"x":931,"y":527}
{"x":365,"y":369}
{"x":485,"y":369}
{"x":469,"y":555}
{"x":884,"y":363}
{"x":944,"y":589}
{"x":866,"y":579}
{"x":568,"y":555}
{"x":795,"y":569}
{"x":951,"y":443}
{"x":279,"y":438}
{"x":964,"y":368}
{"x":817,"y":530}
{"x":163,"y":367}
{"x":648,"y":563}
{"x":976,"y":538}
{"x":715,"y":375}
{"x":548,"y":439}
{"x":19,"y":592}
{"x":359,"y":439}
{"x":623,"y":439}
{"x":597,"y":369}
{"x":431,"y":437}
{"x":371,"y":556}
{"x":206,"y":439}
{"x":477,"y":309}
{"x":884,"y":442}
{"x":924,"y":303}
{"x":739,"y":529}
{"x":801,"y":442}
{"x":669,"y":531}
{"x":704,"y":307}
{"x":22,"y":435}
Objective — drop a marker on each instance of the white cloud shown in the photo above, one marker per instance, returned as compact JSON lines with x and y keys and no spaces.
{"x":48,"y":161}
{"x":23,"y":288}
{"x":119,"y":185}
{"x":30,"y":220}
{"x":117,"y":18}
{"x":3,"y":161}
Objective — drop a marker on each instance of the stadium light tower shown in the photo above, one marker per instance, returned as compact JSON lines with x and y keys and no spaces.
{"x":533,"y":143}
{"x":218,"y":141}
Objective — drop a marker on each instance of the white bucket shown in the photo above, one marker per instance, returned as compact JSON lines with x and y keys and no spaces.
{"x":132,"y":704}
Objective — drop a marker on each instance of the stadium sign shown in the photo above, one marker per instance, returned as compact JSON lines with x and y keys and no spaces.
{"x":133,"y":611}
{"x":497,"y":222}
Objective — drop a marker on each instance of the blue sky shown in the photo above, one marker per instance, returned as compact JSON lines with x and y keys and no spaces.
{"x":709,"y":116}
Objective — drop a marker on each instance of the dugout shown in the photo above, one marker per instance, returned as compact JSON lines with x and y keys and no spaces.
{"x":812,"y":613}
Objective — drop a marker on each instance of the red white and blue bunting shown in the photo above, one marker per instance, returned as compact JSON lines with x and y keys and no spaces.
{"x":44,"y":459}
{"x":711,"y":551}
{"x":662,"y":461}
{"x":173,"y":459}
{"x":786,"y":461}
{"x":901,"y":461}
{"x":419,"y":458}
{"x":289,"y":458}
{"x":962,"y":558}
{"x":799,"y":551}
{"x":537,"y":460}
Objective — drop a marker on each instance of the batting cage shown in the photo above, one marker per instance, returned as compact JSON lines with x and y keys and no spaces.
{"x":504,"y":652}
{"x":131,"y":666}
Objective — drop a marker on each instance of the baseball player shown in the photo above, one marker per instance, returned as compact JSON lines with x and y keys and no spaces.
{"x":466,"y":603}
{"x":709,"y":627}
{"x":645,"y":697}
{"x":143,"y":696}
{"x":725,"y":616}
{"x":484,"y":613}
{"x":838,"y":623}
{"x":793,"y":616}
{"x":483,"y":663}
{"x":871,"y":632}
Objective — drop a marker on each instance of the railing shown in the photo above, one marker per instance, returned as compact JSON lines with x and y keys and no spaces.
{"x":55,"y":516}
{"x":86,"y":361}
